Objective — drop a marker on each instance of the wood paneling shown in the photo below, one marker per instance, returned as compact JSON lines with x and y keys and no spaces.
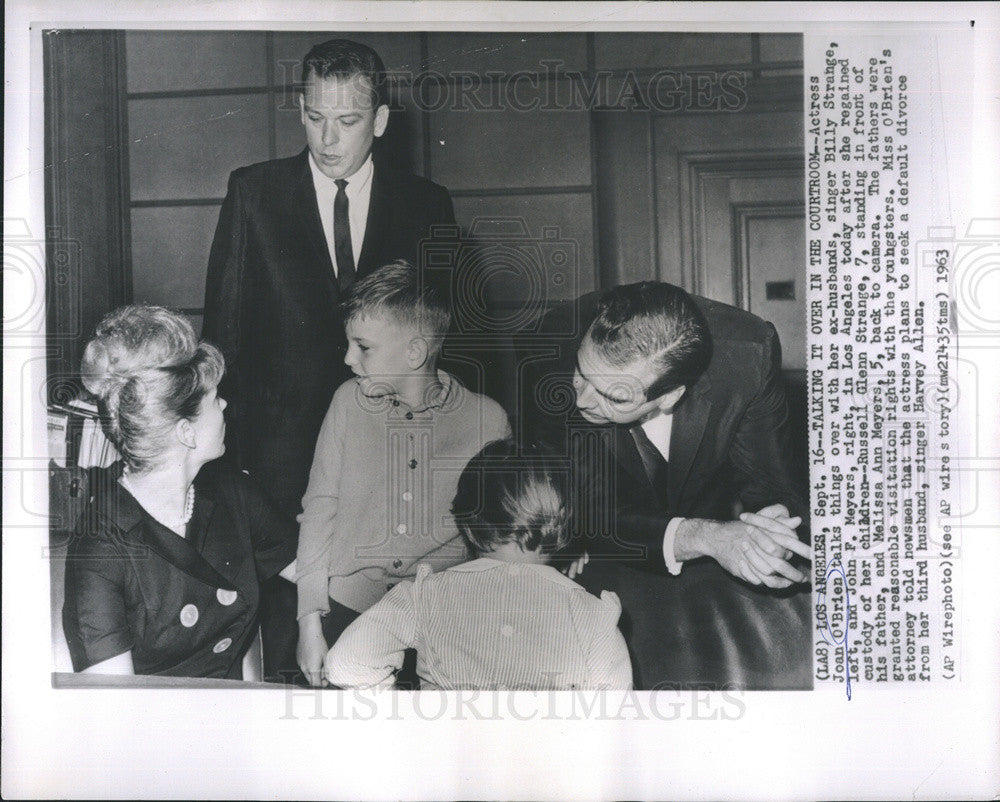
{"x":159,"y":61}
{"x":626,"y":198}
{"x":666,"y":50}
{"x":449,"y":53}
{"x":174,"y":236}
{"x":624,"y":186}
{"x":186,"y":147}
{"x":781,"y":47}
{"x":551,"y":222}
{"x":86,"y":188}
{"x":399,"y":51}
{"x":510,"y":148}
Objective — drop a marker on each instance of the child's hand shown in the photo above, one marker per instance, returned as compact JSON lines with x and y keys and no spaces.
{"x":575,"y":568}
{"x":311,"y":649}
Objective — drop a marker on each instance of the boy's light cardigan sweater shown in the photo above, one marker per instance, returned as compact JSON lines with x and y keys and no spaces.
{"x":380,"y":492}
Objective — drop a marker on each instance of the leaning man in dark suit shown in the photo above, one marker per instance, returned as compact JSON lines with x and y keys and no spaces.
{"x":680,"y":415}
{"x":293,"y":234}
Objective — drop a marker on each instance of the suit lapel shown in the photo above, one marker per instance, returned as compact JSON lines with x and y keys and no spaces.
{"x":688,"y":429}
{"x":379,"y":225}
{"x":180,"y":552}
{"x":305,"y":215}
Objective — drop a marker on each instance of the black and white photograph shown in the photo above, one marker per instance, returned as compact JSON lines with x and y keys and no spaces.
{"x":495,"y":377}
{"x":598,"y":213}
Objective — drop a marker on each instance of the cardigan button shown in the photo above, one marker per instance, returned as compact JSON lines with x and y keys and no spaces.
{"x":222,"y":645}
{"x":413,"y":464}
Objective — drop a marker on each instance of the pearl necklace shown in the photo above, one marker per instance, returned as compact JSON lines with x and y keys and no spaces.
{"x":170,"y":523}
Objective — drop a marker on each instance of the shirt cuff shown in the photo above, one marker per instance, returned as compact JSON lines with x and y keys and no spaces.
{"x":673,"y":566}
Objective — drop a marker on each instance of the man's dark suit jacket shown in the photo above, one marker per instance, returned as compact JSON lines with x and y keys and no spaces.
{"x":729,"y":443}
{"x":271,"y":305}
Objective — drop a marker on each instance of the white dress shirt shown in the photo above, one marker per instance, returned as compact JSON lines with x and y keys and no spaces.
{"x":658,"y":431}
{"x":359,"y":192}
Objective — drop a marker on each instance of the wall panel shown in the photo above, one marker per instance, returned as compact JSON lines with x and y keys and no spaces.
{"x":781,"y":47}
{"x":171,"y":61}
{"x":170,"y":254}
{"x":567,"y":216}
{"x":504,"y":52}
{"x":399,"y":51}
{"x":510,"y":148}
{"x":666,"y":50}
{"x":186,"y":147}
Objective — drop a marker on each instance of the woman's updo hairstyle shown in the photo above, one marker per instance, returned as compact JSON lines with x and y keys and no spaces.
{"x":148,"y":371}
{"x":504,"y":497}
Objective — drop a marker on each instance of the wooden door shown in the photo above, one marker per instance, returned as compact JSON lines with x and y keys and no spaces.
{"x":714,"y":203}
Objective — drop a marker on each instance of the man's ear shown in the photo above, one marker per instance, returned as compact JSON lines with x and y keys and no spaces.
{"x":417,"y":352}
{"x":669,"y":400}
{"x":300,"y":100}
{"x":381,"y":119}
{"x":185,"y":433}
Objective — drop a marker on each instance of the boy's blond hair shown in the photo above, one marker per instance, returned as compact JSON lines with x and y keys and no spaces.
{"x":397,"y":290}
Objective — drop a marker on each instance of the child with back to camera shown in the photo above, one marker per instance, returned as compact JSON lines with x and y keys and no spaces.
{"x":507,"y":620}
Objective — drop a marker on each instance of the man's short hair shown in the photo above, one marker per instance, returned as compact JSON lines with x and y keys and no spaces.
{"x":651,"y":320}
{"x":396,"y":290}
{"x":342,"y":58}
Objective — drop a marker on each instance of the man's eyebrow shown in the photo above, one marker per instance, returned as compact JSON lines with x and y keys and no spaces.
{"x":603,"y":395}
{"x":313,"y":110}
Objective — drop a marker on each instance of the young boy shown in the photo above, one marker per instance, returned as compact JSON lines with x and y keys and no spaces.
{"x":507,"y":620}
{"x":390,"y":451}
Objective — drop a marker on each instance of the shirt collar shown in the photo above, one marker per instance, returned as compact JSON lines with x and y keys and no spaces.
{"x":543,"y":570}
{"x":445,"y":399}
{"x":356,"y":184}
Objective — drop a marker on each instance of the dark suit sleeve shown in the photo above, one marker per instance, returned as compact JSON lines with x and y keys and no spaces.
{"x":445,"y":209}
{"x":761,"y":450}
{"x":614,"y":522}
{"x":225,"y":290}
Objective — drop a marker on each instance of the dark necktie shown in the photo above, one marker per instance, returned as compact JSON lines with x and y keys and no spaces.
{"x":653,"y":462}
{"x":342,"y":247}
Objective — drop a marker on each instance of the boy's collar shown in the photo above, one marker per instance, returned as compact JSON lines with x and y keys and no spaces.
{"x":437,"y":395}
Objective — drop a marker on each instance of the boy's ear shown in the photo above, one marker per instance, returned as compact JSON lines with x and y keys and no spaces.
{"x":417,"y":352}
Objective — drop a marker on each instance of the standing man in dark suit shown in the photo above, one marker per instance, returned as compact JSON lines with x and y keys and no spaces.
{"x":679,"y":415}
{"x":293,"y":234}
